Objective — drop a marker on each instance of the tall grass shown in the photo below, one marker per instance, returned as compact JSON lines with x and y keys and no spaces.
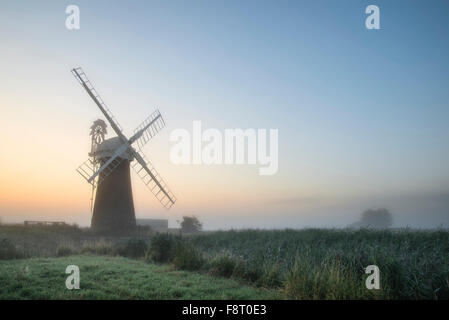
{"x":42,"y":241}
{"x":19,"y":241}
{"x":329,"y":264}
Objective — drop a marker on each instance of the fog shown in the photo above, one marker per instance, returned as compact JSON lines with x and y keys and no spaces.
{"x":414,"y":211}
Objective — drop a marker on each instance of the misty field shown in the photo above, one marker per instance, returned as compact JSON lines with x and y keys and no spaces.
{"x":249,"y":264}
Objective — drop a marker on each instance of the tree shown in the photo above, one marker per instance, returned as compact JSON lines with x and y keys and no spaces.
{"x":375,"y":218}
{"x":190,"y":224}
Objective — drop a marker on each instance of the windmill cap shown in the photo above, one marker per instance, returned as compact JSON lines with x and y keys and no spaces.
{"x":107,"y":148}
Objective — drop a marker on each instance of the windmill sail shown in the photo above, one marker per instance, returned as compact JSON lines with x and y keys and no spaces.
{"x":89,"y":167}
{"x":87,"y":85}
{"x":150,"y":177}
{"x":154,"y":123}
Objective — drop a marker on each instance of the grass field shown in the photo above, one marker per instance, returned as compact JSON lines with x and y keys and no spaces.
{"x":105,"y":277}
{"x":292,"y":264}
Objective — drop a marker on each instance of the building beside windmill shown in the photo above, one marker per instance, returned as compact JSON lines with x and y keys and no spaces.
{"x":158,"y":225}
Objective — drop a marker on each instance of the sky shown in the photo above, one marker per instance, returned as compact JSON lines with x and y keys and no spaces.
{"x":361,"y":114}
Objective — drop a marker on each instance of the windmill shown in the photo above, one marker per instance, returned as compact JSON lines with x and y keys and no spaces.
{"x":108,"y":167}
